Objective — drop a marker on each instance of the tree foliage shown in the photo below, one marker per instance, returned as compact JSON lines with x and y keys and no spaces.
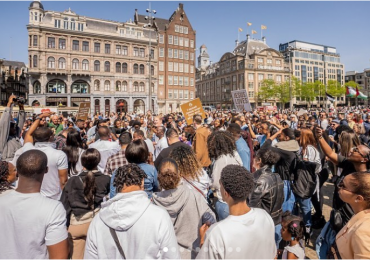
{"x":335,"y":89}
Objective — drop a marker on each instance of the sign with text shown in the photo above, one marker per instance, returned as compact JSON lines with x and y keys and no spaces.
{"x":40,"y":110}
{"x":241,"y":100}
{"x":83,"y":111}
{"x":192,"y":108}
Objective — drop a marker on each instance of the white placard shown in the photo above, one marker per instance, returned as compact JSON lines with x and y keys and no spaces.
{"x":241,"y":100}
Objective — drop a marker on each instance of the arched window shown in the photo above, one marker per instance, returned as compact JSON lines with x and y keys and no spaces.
{"x":118,"y":67}
{"x":35,"y":61}
{"x":124,"y":86}
{"x":97,"y":85}
{"x":142,"y":87}
{"x":80,"y":87}
{"x":107,"y":85}
{"x":139,"y":106}
{"x":97,"y":105}
{"x":62,"y":63}
{"x":152,"y":87}
{"x":85,"y":65}
{"x":118,"y":86}
{"x":40,"y":17}
{"x":107,"y":66}
{"x":97,"y":65}
{"x":124,"y":67}
{"x":75,"y":64}
{"x":31,"y":16}
{"x":56,"y":86}
{"x":51,"y":63}
{"x":136,"y":87}
{"x":66,"y":23}
{"x":36,"y":87}
{"x":152,"y":70}
{"x":107,"y":106}
{"x":142,"y":69}
{"x":136,"y":69}
{"x":73,"y":24}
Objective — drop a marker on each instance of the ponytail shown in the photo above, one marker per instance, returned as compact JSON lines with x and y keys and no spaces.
{"x":89,"y":189}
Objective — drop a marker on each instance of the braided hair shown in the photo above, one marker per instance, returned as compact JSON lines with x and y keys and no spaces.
{"x":4,"y":173}
{"x":295,"y":225}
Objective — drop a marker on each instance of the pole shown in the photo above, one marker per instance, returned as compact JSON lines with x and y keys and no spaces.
{"x":150,"y":58}
{"x":290,"y":82}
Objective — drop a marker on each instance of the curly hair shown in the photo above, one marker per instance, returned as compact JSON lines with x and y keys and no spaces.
{"x":237,"y":181}
{"x":220,"y":143}
{"x":267,"y":157}
{"x":168,"y":175}
{"x":294,"y":224}
{"x":189,"y":165}
{"x":129,"y":174}
{"x":4,"y":173}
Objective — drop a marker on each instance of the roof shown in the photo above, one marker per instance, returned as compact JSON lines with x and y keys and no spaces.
{"x":250,"y":46}
{"x":14,"y":64}
{"x":36,"y":4}
{"x":203,"y":46}
{"x":311,"y":43}
{"x":160,"y":22}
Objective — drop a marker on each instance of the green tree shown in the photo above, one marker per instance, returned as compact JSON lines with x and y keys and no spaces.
{"x":335,"y":89}
{"x":282,"y":93}
{"x":267,"y":90}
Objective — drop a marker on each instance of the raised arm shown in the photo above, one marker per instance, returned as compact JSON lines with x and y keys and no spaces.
{"x":28,"y":138}
{"x":21,"y":119}
{"x":325,"y":146}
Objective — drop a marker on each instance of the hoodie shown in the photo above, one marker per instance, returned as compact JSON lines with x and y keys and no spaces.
{"x":188,"y":211}
{"x":143,"y":230}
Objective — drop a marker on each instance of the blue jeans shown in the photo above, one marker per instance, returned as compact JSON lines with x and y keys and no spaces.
{"x":222,"y":210}
{"x":305,"y":205}
{"x":289,"y":199}
{"x":278,"y":235}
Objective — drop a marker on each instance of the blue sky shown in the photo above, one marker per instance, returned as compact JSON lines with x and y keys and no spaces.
{"x":343,"y":25}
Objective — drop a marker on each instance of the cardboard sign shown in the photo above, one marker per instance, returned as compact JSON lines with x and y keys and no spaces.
{"x":83,"y":111}
{"x":241,"y":100}
{"x":192,"y":108}
{"x":40,"y":110}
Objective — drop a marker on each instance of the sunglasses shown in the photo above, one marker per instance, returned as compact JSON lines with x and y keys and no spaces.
{"x":341,"y":185}
{"x":355,"y":149}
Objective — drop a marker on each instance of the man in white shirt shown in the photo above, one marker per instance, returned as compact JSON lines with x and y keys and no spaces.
{"x":162,"y":142}
{"x":32,"y":226}
{"x":139,"y":134}
{"x":57,"y":176}
{"x":105,"y":146}
{"x":247,"y":233}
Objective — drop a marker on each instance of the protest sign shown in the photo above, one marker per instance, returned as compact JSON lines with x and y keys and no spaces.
{"x":241,"y":100}
{"x":192,"y":108}
{"x":83,"y":111}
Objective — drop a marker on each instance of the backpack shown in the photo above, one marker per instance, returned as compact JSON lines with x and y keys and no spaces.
{"x":303,"y":178}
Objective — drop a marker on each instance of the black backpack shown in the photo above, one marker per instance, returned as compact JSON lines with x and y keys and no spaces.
{"x":303,"y":178}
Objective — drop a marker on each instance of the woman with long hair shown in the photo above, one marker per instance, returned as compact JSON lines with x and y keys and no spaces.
{"x":82,"y":197}
{"x":190,"y":169}
{"x":8,"y":175}
{"x":360,"y":131}
{"x":73,"y":150}
{"x":222,"y":151}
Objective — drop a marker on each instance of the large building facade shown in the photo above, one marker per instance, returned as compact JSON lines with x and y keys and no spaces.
{"x":176,"y":59}
{"x":311,"y":62}
{"x":251,"y":62}
{"x":363,"y":81}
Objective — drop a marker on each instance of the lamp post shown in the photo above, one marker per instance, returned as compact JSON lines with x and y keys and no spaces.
{"x":289,"y":50}
{"x":150,"y":18}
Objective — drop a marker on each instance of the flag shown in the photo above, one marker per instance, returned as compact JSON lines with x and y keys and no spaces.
{"x":254,"y":32}
{"x":361,"y":95}
{"x":330,"y":97}
{"x":350,"y":92}
{"x":249,"y":24}
{"x":263,"y":27}
{"x":240,"y":29}
{"x":357,"y":92}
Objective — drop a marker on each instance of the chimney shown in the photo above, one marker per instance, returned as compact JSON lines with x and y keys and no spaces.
{"x":236,"y":43}
{"x":181,"y":6}
{"x":248,"y":37}
{"x":264,"y":39}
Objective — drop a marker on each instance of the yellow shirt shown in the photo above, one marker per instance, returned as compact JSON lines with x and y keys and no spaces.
{"x":353,"y":240}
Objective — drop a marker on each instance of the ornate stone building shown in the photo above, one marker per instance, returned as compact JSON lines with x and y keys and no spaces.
{"x":74,"y":59}
{"x":245,"y":67}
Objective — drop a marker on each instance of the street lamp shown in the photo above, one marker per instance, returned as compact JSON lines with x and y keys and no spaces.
{"x":150,"y":18}
{"x":289,"y":50}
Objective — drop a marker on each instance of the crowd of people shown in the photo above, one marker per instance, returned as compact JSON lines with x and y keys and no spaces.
{"x":228,"y":185}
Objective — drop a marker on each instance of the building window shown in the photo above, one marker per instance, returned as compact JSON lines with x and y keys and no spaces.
{"x":118,"y":49}
{"x":181,"y":41}
{"x":170,"y":66}
{"x":260,"y":60}
{"x":35,"y":61}
{"x":124,"y":67}
{"x":136,"y":51}
{"x":175,"y":80}
{"x":186,"y":55}
{"x":161,"y":52}
{"x":97,"y":85}
{"x":37,"y":88}
{"x":181,"y":94}
{"x":142,"y":69}
{"x":191,"y":94}
{"x":177,"y":28}
{"x":251,"y":94}
{"x":186,"y":94}
{"x":181,"y":29}
{"x":34,"y":40}
{"x":186,"y":30}
{"x":170,"y":39}
{"x":270,"y":76}
{"x":181,"y":82}
{"x":260,"y":77}
{"x":186,"y":42}
{"x":278,"y":78}
{"x":152,"y":54}
{"x":136,"y":69}
{"x":85,"y":65}
{"x":118,"y":85}
{"x":107,"y":66}
{"x":250,"y":76}
{"x":62,"y":44}
{"x":186,"y":81}
{"x":124,"y":86}
{"x":192,"y":56}
{"x":175,"y":53}
{"x":51,"y":63}
{"x":57,"y":23}
{"x":56,"y":86}
{"x":73,"y":24}
{"x":85,"y":46}
{"x":250,"y":84}
{"x":152,"y":70}
{"x":51,"y":42}
{"x":75,"y":64}
{"x":107,"y":48}
{"x":136,"y":87}
{"x":170,"y":53}
{"x":161,"y":66}
{"x":191,"y":82}
{"x":142,"y":52}
{"x":175,"y":40}
{"x":118,"y":67}
{"x":181,"y":67}
{"x":175,"y":91}
{"x":170,"y":79}
{"x":107,"y":85}
{"x":142,"y":87}
{"x":96,"y":65}
{"x":62,"y":63}
{"x":181,"y":54}
{"x":80,"y":27}
{"x":170,"y":93}
{"x":161,"y":38}
{"x":124,"y":50}
{"x":97,"y":47}
{"x":160,"y":78}
{"x":175,"y":67}
{"x":80,"y":87}
{"x":66,"y":23}
{"x":191,"y":69}
{"x":278,"y":62}
{"x":269,"y":61}
{"x":191,"y":43}
{"x":75,"y":45}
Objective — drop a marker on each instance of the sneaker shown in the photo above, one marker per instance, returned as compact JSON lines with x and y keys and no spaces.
{"x":307,"y":235}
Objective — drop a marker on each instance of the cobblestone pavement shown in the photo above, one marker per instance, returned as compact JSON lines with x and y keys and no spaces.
{"x":328,"y":189}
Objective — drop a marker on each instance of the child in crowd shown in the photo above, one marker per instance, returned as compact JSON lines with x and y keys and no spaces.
{"x":292,"y":231}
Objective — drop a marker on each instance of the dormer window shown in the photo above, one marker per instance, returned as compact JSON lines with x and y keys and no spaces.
{"x":73,"y":24}
{"x":36,"y":16}
{"x":66,"y":23}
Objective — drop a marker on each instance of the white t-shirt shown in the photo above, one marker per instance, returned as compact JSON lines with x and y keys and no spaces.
{"x":29,"y":222}
{"x":297,"y":250}
{"x":161,"y":144}
{"x":106,"y":149}
{"x":150,"y":145}
{"x":249,"y":236}
{"x":57,"y":160}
